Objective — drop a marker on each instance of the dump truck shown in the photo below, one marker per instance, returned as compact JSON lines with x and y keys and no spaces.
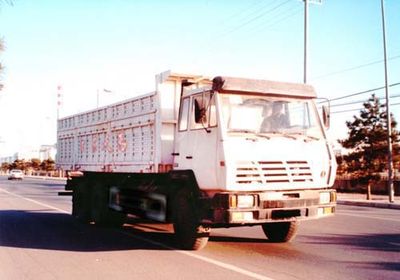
{"x":202,"y":153}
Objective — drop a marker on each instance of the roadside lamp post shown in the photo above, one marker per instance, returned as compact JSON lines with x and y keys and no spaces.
{"x":98,"y":95}
{"x":389,"y":124}
{"x":59,"y":100}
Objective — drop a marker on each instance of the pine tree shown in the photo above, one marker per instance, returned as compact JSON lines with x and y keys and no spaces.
{"x":367,"y":141}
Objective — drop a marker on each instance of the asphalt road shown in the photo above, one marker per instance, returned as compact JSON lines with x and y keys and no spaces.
{"x":40,"y":240}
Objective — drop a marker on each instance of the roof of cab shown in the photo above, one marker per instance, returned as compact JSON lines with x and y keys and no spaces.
{"x":242,"y":85}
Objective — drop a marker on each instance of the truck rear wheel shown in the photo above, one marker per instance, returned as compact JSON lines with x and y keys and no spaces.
{"x":281,"y":231}
{"x":101,"y":214}
{"x":189,"y":234}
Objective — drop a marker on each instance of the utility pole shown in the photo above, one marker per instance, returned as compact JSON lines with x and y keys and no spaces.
{"x":306,"y":35}
{"x":389,"y":121}
{"x":305,"y":40}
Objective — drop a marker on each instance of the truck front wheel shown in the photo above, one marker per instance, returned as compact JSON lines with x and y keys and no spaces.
{"x":189,"y":234}
{"x":281,"y":231}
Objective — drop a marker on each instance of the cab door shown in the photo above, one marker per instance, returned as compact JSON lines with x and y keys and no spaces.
{"x":183,"y":149}
{"x":197,"y":138}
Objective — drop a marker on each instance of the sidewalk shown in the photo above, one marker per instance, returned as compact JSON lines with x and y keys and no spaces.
{"x":357,"y":199}
{"x":40,"y":177}
{"x":46,"y":178}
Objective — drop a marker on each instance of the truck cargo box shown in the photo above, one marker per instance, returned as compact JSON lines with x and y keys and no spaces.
{"x":134,"y":135}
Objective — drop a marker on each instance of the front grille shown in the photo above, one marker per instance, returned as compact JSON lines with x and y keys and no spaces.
{"x":273,"y":172}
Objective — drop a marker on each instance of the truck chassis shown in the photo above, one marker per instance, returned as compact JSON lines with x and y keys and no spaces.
{"x":174,"y":197}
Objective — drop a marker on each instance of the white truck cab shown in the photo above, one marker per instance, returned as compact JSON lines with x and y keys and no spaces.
{"x":253,"y":135}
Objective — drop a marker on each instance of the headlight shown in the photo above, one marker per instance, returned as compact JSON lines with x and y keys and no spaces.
{"x":242,"y":201}
{"x":245,"y":201}
{"x":324,"y":197}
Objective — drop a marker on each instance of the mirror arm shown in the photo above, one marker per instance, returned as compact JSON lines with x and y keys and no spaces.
{"x":325,"y":112}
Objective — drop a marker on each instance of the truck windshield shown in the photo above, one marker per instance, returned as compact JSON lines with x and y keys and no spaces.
{"x":270,"y":116}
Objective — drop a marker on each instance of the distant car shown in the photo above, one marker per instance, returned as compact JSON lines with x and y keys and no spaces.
{"x":16,"y":174}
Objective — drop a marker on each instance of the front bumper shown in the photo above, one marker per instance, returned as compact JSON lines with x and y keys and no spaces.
{"x":270,"y":207}
{"x":15,"y":177}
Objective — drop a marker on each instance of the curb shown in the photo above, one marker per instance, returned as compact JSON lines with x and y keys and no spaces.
{"x":40,"y":177}
{"x":46,"y":178}
{"x":386,"y":205}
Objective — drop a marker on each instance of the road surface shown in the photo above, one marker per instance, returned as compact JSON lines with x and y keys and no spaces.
{"x":40,"y":240}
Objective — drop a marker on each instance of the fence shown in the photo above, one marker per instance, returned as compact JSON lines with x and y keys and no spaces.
{"x":347,"y":184}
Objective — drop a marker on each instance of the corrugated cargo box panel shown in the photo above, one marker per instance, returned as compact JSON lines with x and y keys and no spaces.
{"x":119,"y":136}
{"x":134,"y":135}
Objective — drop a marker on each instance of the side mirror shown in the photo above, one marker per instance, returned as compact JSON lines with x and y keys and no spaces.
{"x":326,"y":116}
{"x":199,"y":113}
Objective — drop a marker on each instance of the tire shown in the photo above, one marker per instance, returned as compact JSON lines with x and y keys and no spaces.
{"x":189,"y":234}
{"x":281,"y":231}
{"x":81,"y":202}
{"x":101,"y":214}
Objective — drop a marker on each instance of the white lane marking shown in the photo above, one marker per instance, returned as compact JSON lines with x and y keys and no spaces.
{"x":204,"y":259}
{"x":369,"y":217}
{"x":34,"y":201}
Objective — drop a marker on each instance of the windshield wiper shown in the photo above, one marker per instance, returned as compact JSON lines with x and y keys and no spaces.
{"x":263,"y":135}
{"x":307,"y":137}
{"x":249,"y":131}
{"x":312,"y":137}
{"x":242,"y":130}
{"x":280,"y":133}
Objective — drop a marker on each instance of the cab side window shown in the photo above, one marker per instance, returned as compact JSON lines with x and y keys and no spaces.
{"x":203,"y":111}
{"x":213,"y":113}
{"x":199,"y":116}
{"x":184,"y":115}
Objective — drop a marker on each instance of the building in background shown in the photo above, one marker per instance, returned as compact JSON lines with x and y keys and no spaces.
{"x":43,"y":153}
{"x":8,"y":159}
{"x":47,"y":152}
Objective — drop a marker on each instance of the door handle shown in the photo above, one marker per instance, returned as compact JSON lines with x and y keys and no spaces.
{"x":189,"y":157}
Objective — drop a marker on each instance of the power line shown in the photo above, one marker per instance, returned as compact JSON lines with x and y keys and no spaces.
{"x":360,"y":101}
{"x":255,"y":18}
{"x":354,"y":68}
{"x":362,"y":92}
{"x":264,"y":26}
{"x":243,"y":11}
{"x":208,"y":48}
{"x":359,"y":109}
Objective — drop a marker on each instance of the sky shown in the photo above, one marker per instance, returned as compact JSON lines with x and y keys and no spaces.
{"x":120,"y":45}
